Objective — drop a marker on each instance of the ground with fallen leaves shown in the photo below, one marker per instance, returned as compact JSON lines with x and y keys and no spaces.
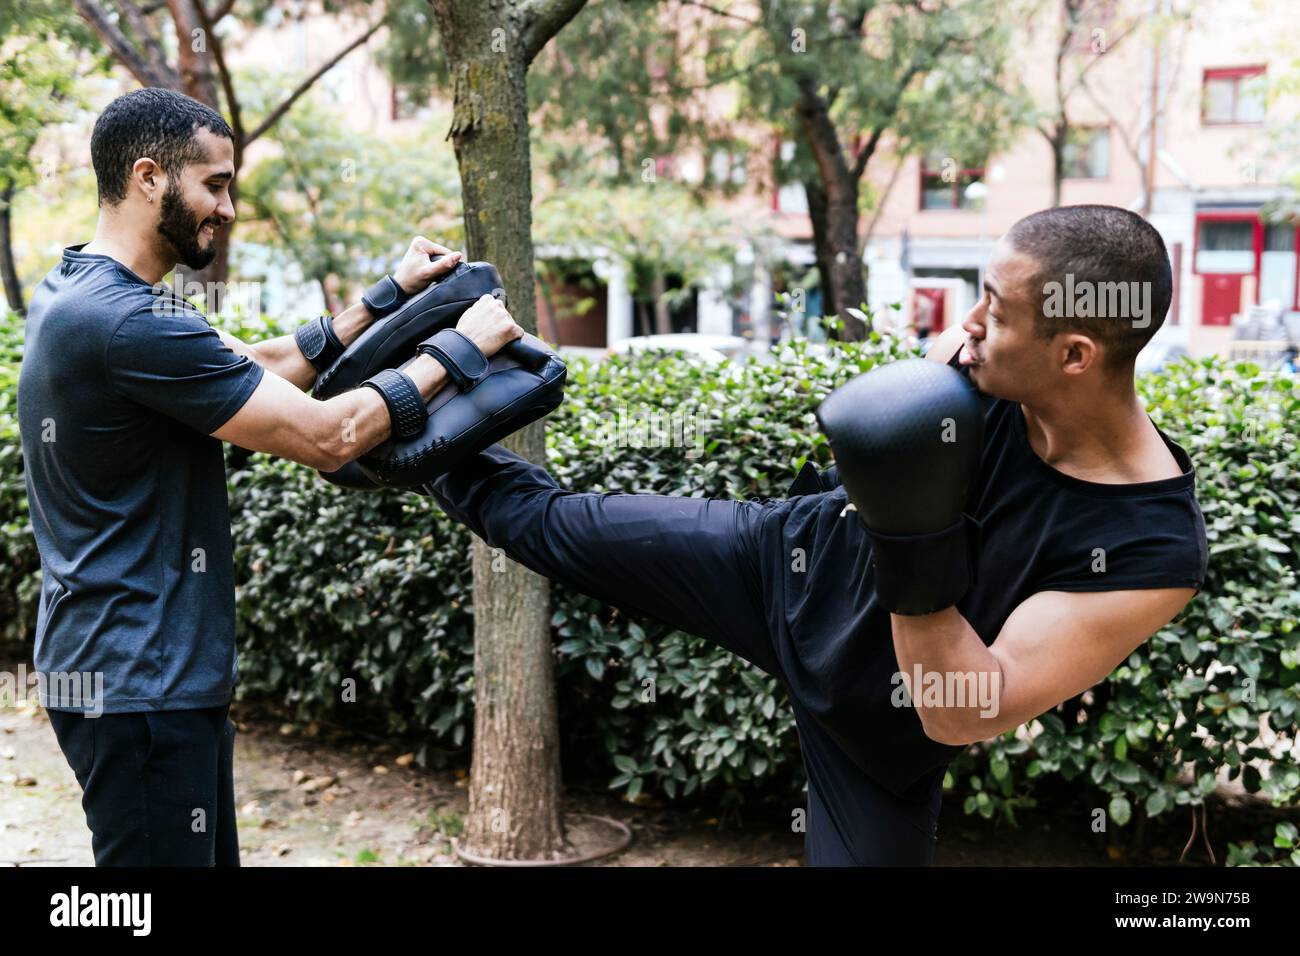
{"x":313,"y":797}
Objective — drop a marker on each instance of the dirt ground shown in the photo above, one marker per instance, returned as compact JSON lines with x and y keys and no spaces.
{"x":308,"y":797}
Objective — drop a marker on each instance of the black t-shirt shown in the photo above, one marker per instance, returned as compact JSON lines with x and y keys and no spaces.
{"x":1041,"y":530}
{"x":788,"y":585}
{"x":120,"y":390}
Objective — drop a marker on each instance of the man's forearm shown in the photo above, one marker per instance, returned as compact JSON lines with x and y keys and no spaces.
{"x":959,"y":694}
{"x":282,"y":355}
{"x":349,"y":425}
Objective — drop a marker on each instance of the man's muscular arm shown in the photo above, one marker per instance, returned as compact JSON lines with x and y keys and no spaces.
{"x":1054,"y":646}
{"x":281,"y":420}
{"x":281,"y":354}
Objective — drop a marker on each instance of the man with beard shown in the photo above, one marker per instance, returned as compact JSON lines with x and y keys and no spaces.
{"x":125,"y":396}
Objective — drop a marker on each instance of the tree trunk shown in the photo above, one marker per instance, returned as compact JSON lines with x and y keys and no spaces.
{"x":8,"y":270}
{"x":1057,"y":142}
{"x":848,"y":285}
{"x":663,"y":318}
{"x":198,"y":79}
{"x":848,"y":280}
{"x":515,"y":780}
{"x":817,"y":213}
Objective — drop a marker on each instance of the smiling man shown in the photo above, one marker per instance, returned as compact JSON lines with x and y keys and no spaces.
{"x":1086,"y":538}
{"x":125,"y":395}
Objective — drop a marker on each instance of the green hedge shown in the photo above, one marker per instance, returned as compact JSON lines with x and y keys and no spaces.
{"x":376,"y":588}
{"x":20,"y":564}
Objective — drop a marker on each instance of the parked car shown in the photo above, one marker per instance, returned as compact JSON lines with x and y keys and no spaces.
{"x":715,"y":349}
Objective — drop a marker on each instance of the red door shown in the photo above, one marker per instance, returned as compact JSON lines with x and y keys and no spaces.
{"x":927,"y":309}
{"x":1220,"y":299}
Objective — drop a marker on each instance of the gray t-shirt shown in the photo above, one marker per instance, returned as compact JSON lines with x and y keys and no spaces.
{"x":121,"y":388}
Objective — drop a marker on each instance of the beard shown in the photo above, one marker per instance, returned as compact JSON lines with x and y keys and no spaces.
{"x":180,"y":227}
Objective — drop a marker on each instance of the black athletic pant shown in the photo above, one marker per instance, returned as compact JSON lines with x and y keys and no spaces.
{"x":691,"y":562}
{"x":157,"y":786}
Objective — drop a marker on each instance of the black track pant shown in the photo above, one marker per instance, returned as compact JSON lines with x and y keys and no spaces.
{"x":692,"y":563}
{"x":157,"y":787}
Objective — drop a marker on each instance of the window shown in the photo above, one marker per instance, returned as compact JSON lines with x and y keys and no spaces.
{"x":1233,"y":96}
{"x":1225,"y":246}
{"x":790,"y":197}
{"x":727,"y":167}
{"x":1277,"y":265}
{"x":1087,"y":153}
{"x":945,"y":185}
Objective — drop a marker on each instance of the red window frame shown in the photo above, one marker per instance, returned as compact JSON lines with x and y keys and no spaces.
{"x":924,"y":171}
{"x":1238,"y":73}
{"x":1257,"y":243}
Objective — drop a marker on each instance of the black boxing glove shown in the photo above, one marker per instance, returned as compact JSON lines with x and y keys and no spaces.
{"x":907,"y":439}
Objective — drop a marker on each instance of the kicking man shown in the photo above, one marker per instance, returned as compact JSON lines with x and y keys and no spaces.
{"x":1080,"y":538}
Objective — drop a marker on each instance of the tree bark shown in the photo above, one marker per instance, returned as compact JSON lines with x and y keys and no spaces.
{"x":848,"y":284}
{"x":198,"y":79}
{"x":8,"y":270}
{"x":1056,"y":137}
{"x":663,"y":317}
{"x":821,"y":249}
{"x":514,"y":799}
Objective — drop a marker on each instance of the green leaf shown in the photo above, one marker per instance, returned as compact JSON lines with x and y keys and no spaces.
{"x":625,"y":763}
{"x":1120,"y":810}
{"x":1126,"y":772}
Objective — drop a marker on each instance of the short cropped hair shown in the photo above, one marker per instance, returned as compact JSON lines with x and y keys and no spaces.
{"x":154,"y":122}
{"x":1103,"y":250}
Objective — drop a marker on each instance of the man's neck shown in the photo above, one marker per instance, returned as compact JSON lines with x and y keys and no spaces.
{"x":1108,"y":439}
{"x":126,"y":246}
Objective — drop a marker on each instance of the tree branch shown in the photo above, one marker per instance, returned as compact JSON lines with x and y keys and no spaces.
{"x":1132,"y":28}
{"x":884,"y":199}
{"x":227,"y":83}
{"x":219,"y":14}
{"x":146,"y":34}
{"x":823,"y":138}
{"x":864,"y":155}
{"x":122,"y":48}
{"x":543,"y":19}
{"x":717,"y":11}
{"x":273,"y":117}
